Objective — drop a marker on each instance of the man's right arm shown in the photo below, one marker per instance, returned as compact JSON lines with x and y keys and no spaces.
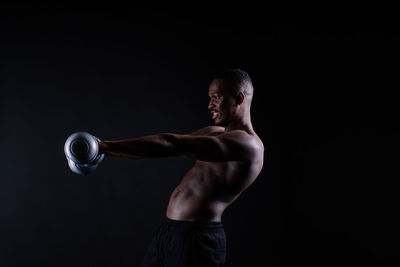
{"x":232,"y":146}
{"x":152,"y":146}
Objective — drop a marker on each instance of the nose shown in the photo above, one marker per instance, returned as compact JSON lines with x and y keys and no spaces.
{"x":211,"y":105}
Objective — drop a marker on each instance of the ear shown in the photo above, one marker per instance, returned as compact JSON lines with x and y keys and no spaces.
{"x":240,"y":98}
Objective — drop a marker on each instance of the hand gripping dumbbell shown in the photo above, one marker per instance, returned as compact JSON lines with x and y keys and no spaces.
{"x":82,"y":152}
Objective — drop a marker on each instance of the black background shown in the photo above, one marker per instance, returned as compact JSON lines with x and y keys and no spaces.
{"x":325,"y":77}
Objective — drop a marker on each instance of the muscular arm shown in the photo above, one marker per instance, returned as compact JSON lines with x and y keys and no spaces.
{"x":230,"y":146}
{"x":152,"y":146}
{"x":235,"y":145}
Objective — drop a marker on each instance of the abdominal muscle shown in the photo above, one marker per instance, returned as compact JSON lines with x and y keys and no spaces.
{"x":202,"y":195}
{"x":187,"y":207}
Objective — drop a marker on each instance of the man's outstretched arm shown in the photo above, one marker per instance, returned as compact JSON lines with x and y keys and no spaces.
{"x":235,"y":145}
{"x":152,"y":146}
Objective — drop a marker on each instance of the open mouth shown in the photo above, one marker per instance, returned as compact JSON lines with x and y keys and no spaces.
{"x":214,"y":114}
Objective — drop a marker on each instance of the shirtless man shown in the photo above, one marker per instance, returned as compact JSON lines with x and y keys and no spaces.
{"x":229,"y":157}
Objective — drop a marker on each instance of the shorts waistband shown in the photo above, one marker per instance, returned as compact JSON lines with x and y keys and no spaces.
{"x":194,"y":224}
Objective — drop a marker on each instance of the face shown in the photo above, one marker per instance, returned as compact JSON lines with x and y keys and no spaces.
{"x":222,"y":104}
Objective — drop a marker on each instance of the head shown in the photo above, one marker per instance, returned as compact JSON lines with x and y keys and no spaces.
{"x":231,"y":93}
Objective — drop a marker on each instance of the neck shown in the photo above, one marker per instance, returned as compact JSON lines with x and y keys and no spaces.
{"x":241,"y":123}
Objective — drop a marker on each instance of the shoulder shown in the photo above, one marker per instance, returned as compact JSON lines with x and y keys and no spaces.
{"x":241,"y":136}
{"x":249,"y":142}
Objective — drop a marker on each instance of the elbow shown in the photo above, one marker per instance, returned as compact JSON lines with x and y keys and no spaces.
{"x":170,"y":141}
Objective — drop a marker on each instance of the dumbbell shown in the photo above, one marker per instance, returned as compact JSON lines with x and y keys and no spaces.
{"x":82,"y":152}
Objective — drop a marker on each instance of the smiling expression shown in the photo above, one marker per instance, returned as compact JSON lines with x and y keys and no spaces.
{"x":222,"y":103}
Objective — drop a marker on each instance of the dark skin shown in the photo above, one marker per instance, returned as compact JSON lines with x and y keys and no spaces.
{"x":229,"y":156}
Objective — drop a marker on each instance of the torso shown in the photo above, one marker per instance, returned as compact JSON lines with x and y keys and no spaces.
{"x":210,"y":187}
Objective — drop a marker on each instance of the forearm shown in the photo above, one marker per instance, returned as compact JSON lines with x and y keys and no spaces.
{"x":152,"y":146}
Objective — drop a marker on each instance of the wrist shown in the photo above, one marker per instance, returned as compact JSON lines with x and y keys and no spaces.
{"x":103,"y":147}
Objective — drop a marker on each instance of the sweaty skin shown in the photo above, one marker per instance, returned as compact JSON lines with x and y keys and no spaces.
{"x":229,"y":157}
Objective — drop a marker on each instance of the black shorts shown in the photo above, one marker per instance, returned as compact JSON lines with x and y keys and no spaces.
{"x":183,"y":243}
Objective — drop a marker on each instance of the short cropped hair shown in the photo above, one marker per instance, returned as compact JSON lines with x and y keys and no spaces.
{"x":240,"y":80}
